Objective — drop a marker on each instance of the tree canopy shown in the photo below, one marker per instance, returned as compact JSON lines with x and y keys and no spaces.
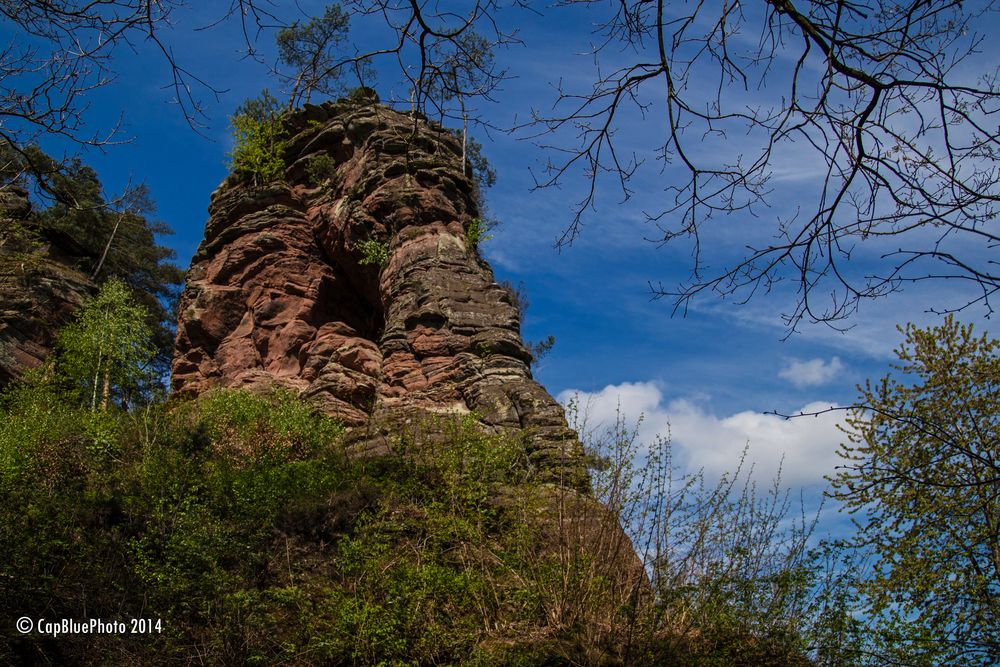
{"x":312,"y":51}
{"x":101,"y":235}
{"x":922,"y":474}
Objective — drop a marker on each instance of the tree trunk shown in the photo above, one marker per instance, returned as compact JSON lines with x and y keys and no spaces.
{"x":106,"y":392}
{"x":97,"y":377}
{"x":107,"y":246}
{"x":465,"y":130}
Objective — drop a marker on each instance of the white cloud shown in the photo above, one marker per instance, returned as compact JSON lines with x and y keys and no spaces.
{"x":812,"y":372}
{"x":804,"y":447}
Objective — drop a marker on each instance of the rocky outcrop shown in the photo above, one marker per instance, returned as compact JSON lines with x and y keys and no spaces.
{"x":39,"y":292}
{"x":356,"y":282}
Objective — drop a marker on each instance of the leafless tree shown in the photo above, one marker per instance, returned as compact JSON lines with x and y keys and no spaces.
{"x":892,"y":104}
{"x":61,"y":52}
{"x":885,"y":96}
{"x":442,"y":51}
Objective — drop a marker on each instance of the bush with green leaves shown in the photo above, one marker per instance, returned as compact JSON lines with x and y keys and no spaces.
{"x":320,"y":168}
{"x":374,"y":252}
{"x":259,"y":140}
{"x":477,"y":233}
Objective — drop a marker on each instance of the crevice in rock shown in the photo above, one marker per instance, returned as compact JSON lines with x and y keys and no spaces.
{"x":277,"y":293}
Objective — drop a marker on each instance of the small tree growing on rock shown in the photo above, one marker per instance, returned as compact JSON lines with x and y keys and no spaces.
{"x":258,"y":152}
{"x":310,"y":49}
{"x":108,"y":349}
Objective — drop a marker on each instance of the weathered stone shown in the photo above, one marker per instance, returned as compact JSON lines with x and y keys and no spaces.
{"x":278,"y":292}
{"x":39,"y":293}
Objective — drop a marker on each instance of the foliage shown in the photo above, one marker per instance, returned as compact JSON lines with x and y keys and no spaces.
{"x":476,"y":233}
{"x":920,"y":471}
{"x":374,"y":252}
{"x":105,"y":237}
{"x":310,"y":50}
{"x":159,"y":527}
{"x":320,"y":168}
{"x":258,"y":133}
{"x":107,"y":350}
{"x":734,"y":578}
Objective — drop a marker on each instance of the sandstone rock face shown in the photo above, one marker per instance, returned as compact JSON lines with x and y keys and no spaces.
{"x":280,"y":291}
{"x":38,"y":292}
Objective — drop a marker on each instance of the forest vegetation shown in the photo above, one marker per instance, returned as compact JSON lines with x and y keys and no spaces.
{"x":245,"y":527}
{"x":242,"y":524}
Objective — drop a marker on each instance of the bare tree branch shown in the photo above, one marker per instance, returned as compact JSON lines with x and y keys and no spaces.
{"x":877,"y":93}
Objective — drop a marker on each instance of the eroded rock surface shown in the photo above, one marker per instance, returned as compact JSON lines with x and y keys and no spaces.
{"x":39,"y":291}
{"x":279,"y":291}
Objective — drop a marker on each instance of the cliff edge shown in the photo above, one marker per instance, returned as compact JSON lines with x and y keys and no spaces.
{"x":355,"y":281}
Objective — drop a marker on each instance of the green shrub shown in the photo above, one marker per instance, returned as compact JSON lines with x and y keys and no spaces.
{"x":320,"y":168}
{"x":476,"y":233}
{"x":374,"y":252}
{"x":259,"y":134}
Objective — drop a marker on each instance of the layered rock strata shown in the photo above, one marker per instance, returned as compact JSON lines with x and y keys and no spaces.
{"x":39,"y":290}
{"x":352,"y":282}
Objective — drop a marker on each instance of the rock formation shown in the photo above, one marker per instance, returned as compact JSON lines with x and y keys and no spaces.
{"x":39,"y":290}
{"x":352,"y":282}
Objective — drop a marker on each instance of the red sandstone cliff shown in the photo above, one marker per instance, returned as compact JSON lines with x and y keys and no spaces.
{"x":278,"y":293}
{"x":39,"y":291}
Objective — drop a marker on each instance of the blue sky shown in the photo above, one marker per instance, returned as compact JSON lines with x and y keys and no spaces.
{"x":709,"y":376}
